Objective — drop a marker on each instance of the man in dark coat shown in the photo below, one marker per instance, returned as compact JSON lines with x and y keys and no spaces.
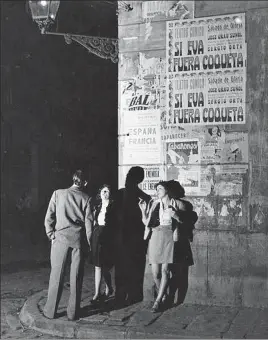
{"x":130,"y":245}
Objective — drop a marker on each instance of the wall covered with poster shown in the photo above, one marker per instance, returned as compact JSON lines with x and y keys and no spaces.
{"x":142,"y":86}
{"x":192,"y":108}
{"x":182,"y":95}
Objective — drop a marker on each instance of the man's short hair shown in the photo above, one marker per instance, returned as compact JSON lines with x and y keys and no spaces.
{"x":79,"y":178}
{"x":134,"y":176}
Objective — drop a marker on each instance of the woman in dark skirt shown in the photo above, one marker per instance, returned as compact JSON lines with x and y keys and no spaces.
{"x":102,"y":243}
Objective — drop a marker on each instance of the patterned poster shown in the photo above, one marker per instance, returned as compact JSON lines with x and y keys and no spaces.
{"x":206,"y":71}
{"x":222,"y":180}
{"x":235,"y":148}
{"x":167,"y":9}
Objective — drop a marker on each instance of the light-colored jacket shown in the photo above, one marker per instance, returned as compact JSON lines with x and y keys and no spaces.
{"x":68,"y":216}
{"x":177,"y":204}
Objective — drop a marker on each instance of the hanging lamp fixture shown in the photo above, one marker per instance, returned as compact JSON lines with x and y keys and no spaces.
{"x":44,"y":13}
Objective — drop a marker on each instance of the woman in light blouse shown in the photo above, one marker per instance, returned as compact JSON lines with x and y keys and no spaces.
{"x":102,"y":243}
{"x":162,"y":222}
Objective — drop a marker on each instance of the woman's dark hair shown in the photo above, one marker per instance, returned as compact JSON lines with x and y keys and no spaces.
{"x":174,"y":188}
{"x":98,"y":197}
{"x":163,"y":184}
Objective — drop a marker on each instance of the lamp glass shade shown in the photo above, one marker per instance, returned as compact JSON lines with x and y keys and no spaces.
{"x":43,"y":10}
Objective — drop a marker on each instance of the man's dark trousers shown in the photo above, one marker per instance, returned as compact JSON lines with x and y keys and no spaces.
{"x":59,"y":252}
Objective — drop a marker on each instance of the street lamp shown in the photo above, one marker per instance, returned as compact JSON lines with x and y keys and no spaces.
{"x":44,"y":14}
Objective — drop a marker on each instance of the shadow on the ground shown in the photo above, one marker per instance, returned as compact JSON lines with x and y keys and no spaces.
{"x":103,"y":307}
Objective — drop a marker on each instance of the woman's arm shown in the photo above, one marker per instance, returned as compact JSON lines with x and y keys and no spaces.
{"x":145,"y":209}
{"x":178,"y":213}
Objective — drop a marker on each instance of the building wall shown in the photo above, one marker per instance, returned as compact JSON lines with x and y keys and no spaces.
{"x":58,"y":112}
{"x":230,"y":242}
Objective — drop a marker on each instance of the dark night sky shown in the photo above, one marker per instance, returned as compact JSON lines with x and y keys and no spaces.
{"x":58,"y":96}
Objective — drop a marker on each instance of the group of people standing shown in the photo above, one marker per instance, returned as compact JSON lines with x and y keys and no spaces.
{"x":119,"y":230}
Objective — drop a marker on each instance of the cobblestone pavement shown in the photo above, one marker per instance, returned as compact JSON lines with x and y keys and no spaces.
{"x":27,"y":288}
{"x":19,"y":281}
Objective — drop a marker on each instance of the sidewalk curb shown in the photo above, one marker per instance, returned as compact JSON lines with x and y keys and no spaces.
{"x":31,"y":317}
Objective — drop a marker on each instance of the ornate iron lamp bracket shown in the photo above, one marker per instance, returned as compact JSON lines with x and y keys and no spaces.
{"x":106,"y":48}
{"x":44,"y":14}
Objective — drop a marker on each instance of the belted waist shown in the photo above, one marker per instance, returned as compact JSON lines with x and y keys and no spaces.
{"x":99,"y":225}
{"x":162,"y":227}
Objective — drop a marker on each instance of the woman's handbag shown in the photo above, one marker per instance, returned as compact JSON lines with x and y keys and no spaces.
{"x":147,"y":233}
{"x":176,"y":235}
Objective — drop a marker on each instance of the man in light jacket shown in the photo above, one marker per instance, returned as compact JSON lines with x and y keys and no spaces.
{"x":68,"y":220}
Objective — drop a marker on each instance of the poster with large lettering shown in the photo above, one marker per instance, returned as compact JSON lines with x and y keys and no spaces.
{"x":206,"y":71}
{"x":153,"y":174}
{"x":135,"y":95}
{"x":183,"y":163}
{"x":144,"y":89}
{"x":141,"y":137}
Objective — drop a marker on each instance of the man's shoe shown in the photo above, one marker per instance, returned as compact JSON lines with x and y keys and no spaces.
{"x":72,"y":319}
{"x":47,"y":317}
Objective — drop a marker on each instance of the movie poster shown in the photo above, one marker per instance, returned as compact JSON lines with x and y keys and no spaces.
{"x":221,"y":180}
{"x":213,"y":144}
{"x":206,"y":71}
{"x":183,"y":163}
{"x":235,"y":148}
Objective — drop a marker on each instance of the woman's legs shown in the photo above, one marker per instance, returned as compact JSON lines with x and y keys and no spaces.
{"x":99,"y":271}
{"x":98,"y":274}
{"x":156,"y":271}
{"x":164,"y":281}
{"x":163,"y":271}
{"x":108,"y":281}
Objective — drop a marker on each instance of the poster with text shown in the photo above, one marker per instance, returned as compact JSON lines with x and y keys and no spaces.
{"x":206,"y":71}
{"x":213,"y":144}
{"x":182,"y":164}
{"x":153,"y":174}
{"x":141,"y":135}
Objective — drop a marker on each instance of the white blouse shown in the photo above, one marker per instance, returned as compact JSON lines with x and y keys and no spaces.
{"x":164,"y":215}
{"x":102,"y":213}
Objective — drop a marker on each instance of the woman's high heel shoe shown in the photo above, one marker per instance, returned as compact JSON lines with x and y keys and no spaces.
{"x":156,"y":307}
{"x":109,"y":293}
{"x":96,"y":301}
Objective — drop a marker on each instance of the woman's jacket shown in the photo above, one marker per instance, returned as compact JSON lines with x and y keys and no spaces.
{"x":182,"y":224}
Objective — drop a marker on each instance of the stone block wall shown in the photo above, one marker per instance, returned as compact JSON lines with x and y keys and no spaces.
{"x":230,"y":241}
